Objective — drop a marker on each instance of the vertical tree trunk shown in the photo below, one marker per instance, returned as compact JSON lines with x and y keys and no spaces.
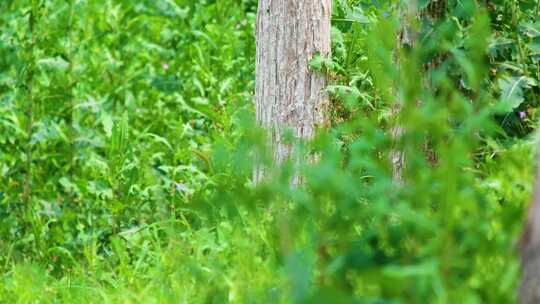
{"x":529,"y":291}
{"x":408,"y":13}
{"x":407,"y":37}
{"x":288,"y":95}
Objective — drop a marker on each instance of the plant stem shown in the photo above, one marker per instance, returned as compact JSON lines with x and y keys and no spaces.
{"x":522,"y":57}
{"x":30,"y":104}
{"x":71,"y":105}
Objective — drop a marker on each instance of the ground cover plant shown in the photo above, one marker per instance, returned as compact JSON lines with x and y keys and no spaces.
{"x":128,"y":142}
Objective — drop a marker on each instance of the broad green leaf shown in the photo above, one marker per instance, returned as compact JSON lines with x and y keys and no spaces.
{"x":511,"y":93}
{"x":534,"y":47}
{"x":530,"y":29}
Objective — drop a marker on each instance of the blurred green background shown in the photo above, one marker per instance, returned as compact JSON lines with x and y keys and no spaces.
{"x":126,"y":134}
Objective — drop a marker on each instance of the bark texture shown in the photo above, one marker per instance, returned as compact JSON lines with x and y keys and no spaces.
{"x":529,"y":291}
{"x":406,"y":38}
{"x":288,"y":95}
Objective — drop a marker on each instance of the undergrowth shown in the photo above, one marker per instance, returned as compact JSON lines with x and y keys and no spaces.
{"x":127,"y":139}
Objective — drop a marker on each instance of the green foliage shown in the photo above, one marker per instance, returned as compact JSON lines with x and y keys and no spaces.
{"x":127,"y":140}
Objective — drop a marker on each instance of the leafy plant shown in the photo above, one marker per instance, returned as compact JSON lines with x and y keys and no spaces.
{"x":127,"y":140}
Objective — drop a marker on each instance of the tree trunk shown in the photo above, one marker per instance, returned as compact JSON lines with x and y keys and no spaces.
{"x":408,"y":13}
{"x":288,"y":95}
{"x":407,"y":37}
{"x":529,"y":291}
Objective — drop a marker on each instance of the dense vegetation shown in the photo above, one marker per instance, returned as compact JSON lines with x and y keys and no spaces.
{"x":127,"y":134}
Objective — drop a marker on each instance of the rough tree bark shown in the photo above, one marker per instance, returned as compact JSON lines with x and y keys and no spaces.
{"x":288,"y":95}
{"x":529,"y":290}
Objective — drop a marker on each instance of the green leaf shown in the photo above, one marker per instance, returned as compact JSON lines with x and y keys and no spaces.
{"x":530,"y":29}
{"x":316,"y":63}
{"x":511,"y":93}
{"x":357,"y":15}
{"x":108,"y":123}
{"x":349,"y":95}
{"x":320,"y":63}
{"x":160,"y":139}
{"x":534,"y":47}
{"x":54,"y":63}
